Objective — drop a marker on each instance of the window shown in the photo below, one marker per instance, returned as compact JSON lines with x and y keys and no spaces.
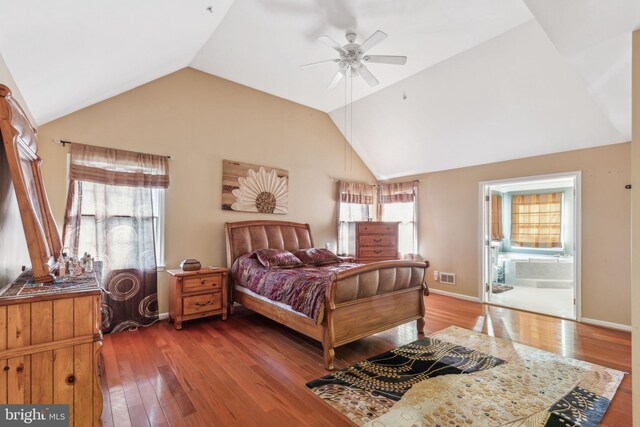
{"x":158,"y":199}
{"x":114,"y":212}
{"x":536,"y":220}
{"x":120,"y":215}
{"x":354,"y":204}
{"x":397,"y":202}
{"x":87,"y":240}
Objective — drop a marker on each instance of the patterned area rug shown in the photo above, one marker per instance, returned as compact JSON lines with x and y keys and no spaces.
{"x":457,"y":377}
{"x":498,"y":288}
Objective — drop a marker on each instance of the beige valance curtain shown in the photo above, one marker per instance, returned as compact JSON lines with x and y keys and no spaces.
{"x":110,"y":166}
{"x":397,"y":192}
{"x":536,"y":220}
{"x":354,"y":192}
{"x":496,"y":217}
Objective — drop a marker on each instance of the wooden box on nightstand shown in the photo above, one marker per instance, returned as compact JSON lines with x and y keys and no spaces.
{"x":196,"y":294}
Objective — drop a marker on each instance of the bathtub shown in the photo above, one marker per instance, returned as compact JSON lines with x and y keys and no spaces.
{"x":537,"y":271}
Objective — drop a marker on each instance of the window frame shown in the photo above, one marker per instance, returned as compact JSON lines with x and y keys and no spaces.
{"x":159,"y":225}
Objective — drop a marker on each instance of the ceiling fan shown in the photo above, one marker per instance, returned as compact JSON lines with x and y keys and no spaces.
{"x":352,"y":56}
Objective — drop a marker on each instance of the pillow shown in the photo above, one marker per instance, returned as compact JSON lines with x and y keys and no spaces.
{"x":276,"y":258}
{"x":317,"y":256}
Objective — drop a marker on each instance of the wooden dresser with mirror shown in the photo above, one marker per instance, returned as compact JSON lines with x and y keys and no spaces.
{"x":50,"y":335}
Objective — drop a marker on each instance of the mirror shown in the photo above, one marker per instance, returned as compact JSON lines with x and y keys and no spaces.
{"x":20,"y":143}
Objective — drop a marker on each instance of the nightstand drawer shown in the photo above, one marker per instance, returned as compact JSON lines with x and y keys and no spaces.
{"x":377,"y":240}
{"x":387,"y":252}
{"x":377,"y":227}
{"x":201,"y":303}
{"x":202,"y":283}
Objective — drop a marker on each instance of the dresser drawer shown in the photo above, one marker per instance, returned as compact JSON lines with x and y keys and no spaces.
{"x":202,"y":283}
{"x":377,"y":240}
{"x":201,"y":303}
{"x":377,"y":228}
{"x":386,"y":252}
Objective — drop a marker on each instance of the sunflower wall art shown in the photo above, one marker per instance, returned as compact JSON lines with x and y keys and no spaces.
{"x":254,"y":188}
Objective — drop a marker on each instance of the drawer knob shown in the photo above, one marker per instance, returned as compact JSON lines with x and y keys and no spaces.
{"x":6,"y":368}
{"x":377,"y":240}
{"x":377,"y":251}
{"x":20,"y":368}
{"x":70,"y":379}
{"x":202,"y":282}
{"x":202,"y":304}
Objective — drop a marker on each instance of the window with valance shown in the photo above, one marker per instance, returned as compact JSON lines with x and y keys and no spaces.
{"x":113,"y":214}
{"x":384,"y":202}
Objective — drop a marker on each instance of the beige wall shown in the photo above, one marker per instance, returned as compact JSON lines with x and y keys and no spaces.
{"x":449,"y":223}
{"x":635,"y":219}
{"x":200,"y":120}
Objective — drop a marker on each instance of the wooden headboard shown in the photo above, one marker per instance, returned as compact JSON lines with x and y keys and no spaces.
{"x":246,"y":236}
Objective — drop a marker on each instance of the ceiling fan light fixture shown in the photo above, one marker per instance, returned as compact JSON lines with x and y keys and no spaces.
{"x":352,"y":57}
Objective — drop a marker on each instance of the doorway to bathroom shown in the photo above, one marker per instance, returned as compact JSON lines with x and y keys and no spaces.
{"x":530,"y":244}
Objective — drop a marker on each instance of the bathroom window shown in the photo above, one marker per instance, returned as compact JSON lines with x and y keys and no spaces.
{"x":536,"y":220}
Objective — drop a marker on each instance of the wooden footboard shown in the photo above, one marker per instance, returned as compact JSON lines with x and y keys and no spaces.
{"x":371,"y":299}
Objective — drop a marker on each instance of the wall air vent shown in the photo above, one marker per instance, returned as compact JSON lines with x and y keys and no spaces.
{"x":447,"y":278}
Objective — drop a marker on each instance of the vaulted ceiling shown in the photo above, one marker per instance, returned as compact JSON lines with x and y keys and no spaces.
{"x":485,"y":80}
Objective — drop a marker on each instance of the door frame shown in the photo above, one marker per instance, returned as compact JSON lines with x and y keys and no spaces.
{"x":577,"y":212}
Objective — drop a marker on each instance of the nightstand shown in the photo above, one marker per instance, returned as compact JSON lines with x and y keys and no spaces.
{"x":196,"y":294}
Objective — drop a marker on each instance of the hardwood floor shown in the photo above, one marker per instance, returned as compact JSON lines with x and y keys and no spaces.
{"x":250,"y":371}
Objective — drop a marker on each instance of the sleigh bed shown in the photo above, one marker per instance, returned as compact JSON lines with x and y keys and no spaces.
{"x":358,"y":301}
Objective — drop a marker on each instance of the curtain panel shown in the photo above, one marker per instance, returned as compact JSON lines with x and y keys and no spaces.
{"x":536,"y":220}
{"x":110,"y":215}
{"x":496,"y":217}
{"x":355,"y":201}
{"x":397,"y":201}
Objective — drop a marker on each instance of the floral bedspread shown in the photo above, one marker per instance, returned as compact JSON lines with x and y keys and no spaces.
{"x":302,"y":288}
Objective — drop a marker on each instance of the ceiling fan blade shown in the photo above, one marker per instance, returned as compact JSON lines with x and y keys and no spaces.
{"x":375,"y":38}
{"x":315,"y":64}
{"x":331,"y":43}
{"x":367,"y":76}
{"x":386,"y":59}
{"x":335,"y":81}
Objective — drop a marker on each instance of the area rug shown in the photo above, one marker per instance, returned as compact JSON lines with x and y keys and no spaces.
{"x":497,"y":288}
{"x":458,"y":377}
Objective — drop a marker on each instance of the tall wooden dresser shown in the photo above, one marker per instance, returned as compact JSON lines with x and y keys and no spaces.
{"x":376,"y":241}
{"x":49,"y":346}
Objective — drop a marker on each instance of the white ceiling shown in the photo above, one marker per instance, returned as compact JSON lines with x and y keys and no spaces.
{"x":508,"y":98}
{"x":262,"y":43}
{"x":67,"y":54}
{"x":486,"y":80}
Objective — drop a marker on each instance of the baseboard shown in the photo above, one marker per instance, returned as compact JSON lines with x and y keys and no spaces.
{"x":454,"y":295}
{"x":163,"y":316}
{"x":604,"y":324}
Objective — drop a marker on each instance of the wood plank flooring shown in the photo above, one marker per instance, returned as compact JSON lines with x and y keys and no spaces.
{"x":250,"y":371}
